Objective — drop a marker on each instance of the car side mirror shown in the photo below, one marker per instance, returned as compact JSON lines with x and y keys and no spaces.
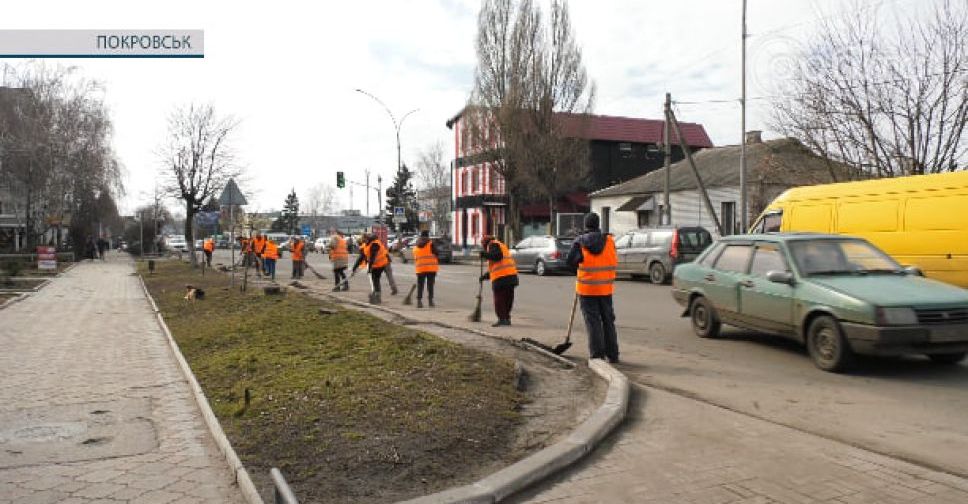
{"x":913,"y":270}
{"x":782,"y":277}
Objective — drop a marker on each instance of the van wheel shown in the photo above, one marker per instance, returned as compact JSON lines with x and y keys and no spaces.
{"x":705,"y":321}
{"x":948,"y":358}
{"x":828,"y":348}
{"x":539,"y":268}
{"x":657,"y":273}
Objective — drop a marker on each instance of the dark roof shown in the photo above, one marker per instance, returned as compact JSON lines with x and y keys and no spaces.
{"x":633,"y":204}
{"x":784,"y":161}
{"x":622,"y":129}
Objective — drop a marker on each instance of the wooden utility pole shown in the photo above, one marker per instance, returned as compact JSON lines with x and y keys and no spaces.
{"x":666,"y":216}
{"x":744,"y":216}
{"x":671,"y":117}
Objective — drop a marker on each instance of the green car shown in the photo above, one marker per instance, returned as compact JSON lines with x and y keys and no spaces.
{"x":839,"y":295}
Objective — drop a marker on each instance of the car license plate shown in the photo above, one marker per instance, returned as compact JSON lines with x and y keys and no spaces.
{"x":949,"y":334}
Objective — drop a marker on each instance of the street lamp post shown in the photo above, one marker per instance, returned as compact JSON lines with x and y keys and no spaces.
{"x":396,"y":129}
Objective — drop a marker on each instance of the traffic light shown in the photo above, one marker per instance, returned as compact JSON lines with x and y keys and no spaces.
{"x":340,"y":180}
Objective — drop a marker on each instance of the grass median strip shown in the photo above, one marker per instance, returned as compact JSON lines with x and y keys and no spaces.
{"x":350,"y":407}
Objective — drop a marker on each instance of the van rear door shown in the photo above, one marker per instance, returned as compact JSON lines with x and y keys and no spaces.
{"x":692,"y":242}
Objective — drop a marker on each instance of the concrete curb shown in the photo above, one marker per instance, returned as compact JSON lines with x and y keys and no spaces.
{"x":248,"y":489}
{"x":43,"y":283}
{"x":518,"y":476}
{"x":19,"y":297}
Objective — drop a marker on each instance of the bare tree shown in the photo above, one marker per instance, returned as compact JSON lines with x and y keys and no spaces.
{"x":199,"y":159}
{"x":433,"y":176}
{"x":319,"y":200}
{"x":888,"y":102}
{"x":530,"y":74}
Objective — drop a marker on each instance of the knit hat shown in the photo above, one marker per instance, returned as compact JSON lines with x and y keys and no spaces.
{"x":592,"y":221}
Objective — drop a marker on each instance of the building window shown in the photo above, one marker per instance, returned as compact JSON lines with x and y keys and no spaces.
{"x":645,"y":218}
{"x":475,"y":180}
{"x":606,"y":216}
{"x":474,"y":224}
{"x":727,"y":213}
{"x":625,"y":149}
{"x":463,"y":183}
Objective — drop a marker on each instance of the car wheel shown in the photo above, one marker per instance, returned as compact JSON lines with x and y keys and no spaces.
{"x":827,"y":346}
{"x":705,"y":322}
{"x":657,"y":273}
{"x":948,"y":358}
{"x":539,"y":268}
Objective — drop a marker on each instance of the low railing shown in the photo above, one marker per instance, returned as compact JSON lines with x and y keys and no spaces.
{"x":281,"y":493}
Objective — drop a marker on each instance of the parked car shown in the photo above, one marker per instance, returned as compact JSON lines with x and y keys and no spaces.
{"x":542,"y":255}
{"x":176,"y":243}
{"x":838,"y":295}
{"x":444,"y":248}
{"x":398,"y":244}
{"x":655,"y":252}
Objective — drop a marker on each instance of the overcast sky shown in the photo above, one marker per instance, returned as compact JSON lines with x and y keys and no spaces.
{"x":288,"y":71}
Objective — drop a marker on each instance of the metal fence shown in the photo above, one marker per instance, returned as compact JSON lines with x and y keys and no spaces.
{"x":281,"y":493}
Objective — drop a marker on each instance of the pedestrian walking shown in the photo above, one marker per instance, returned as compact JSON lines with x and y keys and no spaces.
{"x":593,"y":254}
{"x":339,"y":256}
{"x":102,"y":245}
{"x":503,"y":273}
{"x":208,"y":246}
{"x":298,"y":257}
{"x":258,"y":249}
{"x":374,"y":254}
{"x":269,"y":257}
{"x":427,"y":263}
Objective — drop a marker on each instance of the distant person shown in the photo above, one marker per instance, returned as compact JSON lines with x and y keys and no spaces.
{"x":208,"y":246}
{"x":503,"y":273}
{"x":425,"y":259}
{"x":593,"y":254}
{"x":339,"y":257}
{"x":374,"y":254}
{"x":102,"y":245}
{"x":270,"y":255}
{"x":298,"y":257}
{"x":90,"y":248}
{"x":258,"y":249}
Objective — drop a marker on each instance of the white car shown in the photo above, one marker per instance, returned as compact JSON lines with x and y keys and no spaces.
{"x":321,"y":243}
{"x":176,"y":242}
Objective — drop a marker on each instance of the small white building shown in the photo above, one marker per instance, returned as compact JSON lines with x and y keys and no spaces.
{"x":772,"y":167}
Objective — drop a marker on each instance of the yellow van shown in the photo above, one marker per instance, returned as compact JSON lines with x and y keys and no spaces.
{"x":920,"y":220}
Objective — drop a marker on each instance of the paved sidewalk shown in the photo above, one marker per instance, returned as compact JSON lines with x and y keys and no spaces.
{"x":93,"y":407}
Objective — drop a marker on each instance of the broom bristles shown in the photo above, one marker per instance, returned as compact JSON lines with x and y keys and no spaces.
{"x":409,"y":299}
{"x":476,"y":314}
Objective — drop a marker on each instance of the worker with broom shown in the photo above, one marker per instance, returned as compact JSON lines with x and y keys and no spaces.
{"x":503,"y":273}
{"x":374,"y":254}
{"x":593,"y":254}
{"x":298,"y":257}
{"x":339,"y":255}
{"x":425,"y":259}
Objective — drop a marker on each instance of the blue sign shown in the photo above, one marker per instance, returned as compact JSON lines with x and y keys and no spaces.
{"x":306,"y":229}
{"x":207,"y":219}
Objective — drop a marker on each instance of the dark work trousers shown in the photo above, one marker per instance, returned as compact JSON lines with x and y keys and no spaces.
{"x":503,"y":302}
{"x":297,"y":269}
{"x":429,"y":279}
{"x":375,"y":275}
{"x":340,"y":275}
{"x":600,"y":323}
{"x":208,"y":258}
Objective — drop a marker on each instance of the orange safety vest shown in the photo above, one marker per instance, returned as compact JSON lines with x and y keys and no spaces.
{"x":259,"y":244}
{"x":209,"y":245}
{"x":425,"y":260}
{"x":297,"y":250}
{"x":505,"y":267}
{"x":381,"y":258}
{"x":244,"y":245}
{"x":339,"y":250}
{"x":596,"y":273}
{"x":271,"y":250}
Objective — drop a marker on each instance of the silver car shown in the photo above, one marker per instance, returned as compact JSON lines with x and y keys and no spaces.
{"x":542,"y":254}
{"x":655,"y":252}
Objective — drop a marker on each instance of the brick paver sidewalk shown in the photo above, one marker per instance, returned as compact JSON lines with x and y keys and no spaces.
{"x":93,"y":407}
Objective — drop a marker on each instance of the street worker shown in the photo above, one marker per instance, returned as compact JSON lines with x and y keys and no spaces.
{"x":209,"y":247}
{"x":503,"y":273}
{"x":339,"y":256}
{"x":374,"y":254}
{"x":269,"y":257}
{"x":258,"y":249}
{"x":298,"y":257}
{"x":244,"y":246}
{"x":593,"y":254}
{"x":425,"y":259}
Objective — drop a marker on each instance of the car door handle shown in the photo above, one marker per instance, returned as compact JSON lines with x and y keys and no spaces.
{"x":747,"y":283}
{"x":710,"y":278}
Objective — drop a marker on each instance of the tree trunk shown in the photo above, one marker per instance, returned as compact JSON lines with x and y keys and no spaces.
{"x":189,"y":231}
{"x":551,"y":216}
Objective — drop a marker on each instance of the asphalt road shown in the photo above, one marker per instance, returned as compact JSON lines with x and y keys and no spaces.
{"x":908,"y":408}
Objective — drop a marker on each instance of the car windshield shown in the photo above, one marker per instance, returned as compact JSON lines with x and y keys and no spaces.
{"x":839,"y":257}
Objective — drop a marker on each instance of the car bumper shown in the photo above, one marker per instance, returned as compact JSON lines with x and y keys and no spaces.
{"x":876,"y":340}
{"x":681,"y":296}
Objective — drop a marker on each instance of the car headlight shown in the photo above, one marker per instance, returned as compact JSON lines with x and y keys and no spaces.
{"x":896,"y":316}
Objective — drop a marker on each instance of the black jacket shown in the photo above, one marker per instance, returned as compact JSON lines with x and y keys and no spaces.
{"x":493,"y":253}
{"x":374,"y":248}
{"x":592,"y":239}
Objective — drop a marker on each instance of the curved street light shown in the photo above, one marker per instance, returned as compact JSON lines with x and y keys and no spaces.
{"x":396,"y":125}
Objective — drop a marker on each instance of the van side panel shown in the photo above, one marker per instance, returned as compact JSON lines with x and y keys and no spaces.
{"x":810,"y":217}
{"x":937,"y":235}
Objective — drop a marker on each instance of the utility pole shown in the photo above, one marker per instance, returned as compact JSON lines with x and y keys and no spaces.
{"x":666,"y":214}
{"x":742,"y":151}
{"x":142,"y":245}
{"x":367,"y":172}
{"x":379,"y":196}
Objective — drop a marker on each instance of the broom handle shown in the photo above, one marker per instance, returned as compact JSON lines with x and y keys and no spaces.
{"x":571,"y":321}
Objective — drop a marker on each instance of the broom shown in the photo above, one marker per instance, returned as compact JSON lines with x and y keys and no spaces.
{"x":313,"y":270}
{"x":476,"y":314}
{"x":409,"y":299}
{"x":560,"y":348}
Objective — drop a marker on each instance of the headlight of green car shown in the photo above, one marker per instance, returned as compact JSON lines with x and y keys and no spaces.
{"x":895,"y":316}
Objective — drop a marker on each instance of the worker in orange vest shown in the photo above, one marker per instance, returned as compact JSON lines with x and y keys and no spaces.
{"x":374,"y":254}
{"x":425,"y":259}
{"x":269,"y":256}
{"x":593,"y":254}
{"x":209,"y":247}
{"x":258,"y":249}
{"x":503,"y":273}
{"x":243,"y":250}
{"x":339,"y":256}
{"x":298,"y":257}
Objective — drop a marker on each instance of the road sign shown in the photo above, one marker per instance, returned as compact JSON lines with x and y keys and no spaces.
{"x":231,"y":195}
{"x":399,"y":215}
{"x":424,"y":216}
{"x":46,"y":258}
{"x":305,"y":229}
